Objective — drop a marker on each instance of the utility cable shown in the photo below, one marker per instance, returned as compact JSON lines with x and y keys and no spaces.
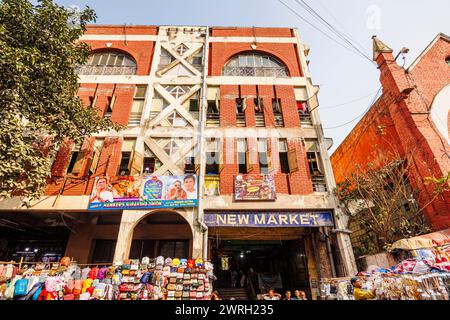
{"x":322,"y":32}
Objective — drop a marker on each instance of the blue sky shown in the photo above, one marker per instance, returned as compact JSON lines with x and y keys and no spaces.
{"x":342,"y":75}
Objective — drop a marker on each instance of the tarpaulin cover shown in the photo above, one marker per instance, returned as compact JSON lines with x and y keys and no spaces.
{"x":425,"y":241}
{"x":439,"y":238}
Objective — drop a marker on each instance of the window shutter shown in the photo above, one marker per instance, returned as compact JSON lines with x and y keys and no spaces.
{"x":113,"y":100}
{"x":269,"y":160}
{"x":94,"y":101}
{"x":95,"y":159}
{"x":79,"y":163}
{"x":248,"y":159}
{"x":221,"y":162}
{"x":292,"y":159}
{"x":136,"y":163}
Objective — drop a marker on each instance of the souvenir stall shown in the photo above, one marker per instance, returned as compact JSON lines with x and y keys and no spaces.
{"x":424,"y":275}
{"x":149,"y":279}
{"x":430,"y":286}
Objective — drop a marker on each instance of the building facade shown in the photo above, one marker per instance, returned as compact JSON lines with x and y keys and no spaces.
{"x":409,"y":120}
{"x":231,"y":112}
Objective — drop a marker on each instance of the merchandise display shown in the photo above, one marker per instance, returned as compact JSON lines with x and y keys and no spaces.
{"x":430,"y":286}
{"x":150,"y":279}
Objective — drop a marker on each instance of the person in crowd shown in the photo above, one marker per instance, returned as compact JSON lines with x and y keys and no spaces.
{"x":303,"y":295}
{"x":243,"y":279}
{"x":234,"y":276}
{"x":215,"y":295}
{"x":287,"y":295}
{"x":359,"y":293}
{"x":189,"y":187}
{"x":271,"y":295}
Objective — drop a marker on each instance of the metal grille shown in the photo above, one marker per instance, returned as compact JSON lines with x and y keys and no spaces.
{"x":106,"y":70}
{"x":135,"y":119}
{"x":278,"y":117}
{"x":319,"y":184}
{"x":305,"y":119}
{"x":259,"y":119}
{"x":276,"y":72}
{"x":240,"y":120}
{"x":212,"y":120}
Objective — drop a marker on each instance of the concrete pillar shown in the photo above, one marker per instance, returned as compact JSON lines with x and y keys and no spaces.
{"x":311,"y":261}
{"x":197,"y":243}
{"x":125,"y":237}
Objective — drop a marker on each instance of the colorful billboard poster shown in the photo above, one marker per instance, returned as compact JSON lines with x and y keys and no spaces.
{"x":143,"y":192}
{"x":254,"y":188}
{"x":269,"y":219}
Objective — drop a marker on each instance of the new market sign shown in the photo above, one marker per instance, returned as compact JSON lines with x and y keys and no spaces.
{"x":143,"y":192}
{"x":270,"y":219}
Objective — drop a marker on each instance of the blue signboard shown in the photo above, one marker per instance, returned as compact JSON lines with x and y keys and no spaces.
{"x":269,"y":219}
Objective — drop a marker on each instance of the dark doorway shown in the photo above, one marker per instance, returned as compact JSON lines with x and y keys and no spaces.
{"x":278,"y":264}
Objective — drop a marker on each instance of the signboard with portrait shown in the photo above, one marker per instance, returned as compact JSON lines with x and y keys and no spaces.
{"x":143,"y":192}
{"x":254,"y":188}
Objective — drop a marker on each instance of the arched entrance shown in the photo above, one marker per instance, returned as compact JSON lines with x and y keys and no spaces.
{"x":158,"y":232}
{"x":162,"y":233}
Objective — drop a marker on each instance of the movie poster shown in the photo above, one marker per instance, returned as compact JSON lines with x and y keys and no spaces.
{"x":254,"y":188}
{"x":143,"y":192}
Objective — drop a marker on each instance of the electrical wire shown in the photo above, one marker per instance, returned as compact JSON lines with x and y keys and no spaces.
{"x":322,"y":32}
{"x":347,"y":103}
{"x":333,"y":29}
{"x":359,"y":116}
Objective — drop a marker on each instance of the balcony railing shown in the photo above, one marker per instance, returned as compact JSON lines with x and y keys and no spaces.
{"x":274,"y":72}
{"x":212,"y":120}
{"x":240,"y":120}
{"x":135,"y":119}
{"x":259,"y":119}
{"x":305,"y":119}
{"x":278,"y":117}
{"x":105,"y":70}
{"x":319,"y":184}
{"x":107,"y":115}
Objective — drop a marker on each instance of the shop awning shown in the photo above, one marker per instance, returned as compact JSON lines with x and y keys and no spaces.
{"x":439,"y":238}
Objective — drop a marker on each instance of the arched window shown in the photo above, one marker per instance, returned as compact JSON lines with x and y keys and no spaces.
{"x":108,"y":63}
{"x":251,"y":64}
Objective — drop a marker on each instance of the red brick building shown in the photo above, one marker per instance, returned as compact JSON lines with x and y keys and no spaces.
{"x":225,"y":104}
{"x":410,"y":118}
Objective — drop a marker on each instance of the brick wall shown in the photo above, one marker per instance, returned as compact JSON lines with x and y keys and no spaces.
{"x":251,"y":32}
{"x":407,"y":129}
{"x":220,"y":53}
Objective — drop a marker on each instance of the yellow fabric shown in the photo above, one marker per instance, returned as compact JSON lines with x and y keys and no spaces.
{"x":360,"y":294}
{"x":412,"y":244}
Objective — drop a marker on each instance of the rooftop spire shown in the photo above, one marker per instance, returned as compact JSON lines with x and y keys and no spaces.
{"x":379,"y":47}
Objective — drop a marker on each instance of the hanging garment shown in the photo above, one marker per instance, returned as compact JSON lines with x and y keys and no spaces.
{"x":85,"y":273}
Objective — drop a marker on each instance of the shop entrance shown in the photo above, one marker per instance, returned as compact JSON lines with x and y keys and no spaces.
{"x":34,"y":236}
{"x":259,"y":265}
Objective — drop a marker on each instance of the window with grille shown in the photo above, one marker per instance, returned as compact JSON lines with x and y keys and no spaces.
{"x":109,"y":63}
{"x":254,"y":65}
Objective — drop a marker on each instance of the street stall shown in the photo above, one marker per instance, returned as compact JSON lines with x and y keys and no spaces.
{"x":149,"y":279}
{"x":424,"y":274}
